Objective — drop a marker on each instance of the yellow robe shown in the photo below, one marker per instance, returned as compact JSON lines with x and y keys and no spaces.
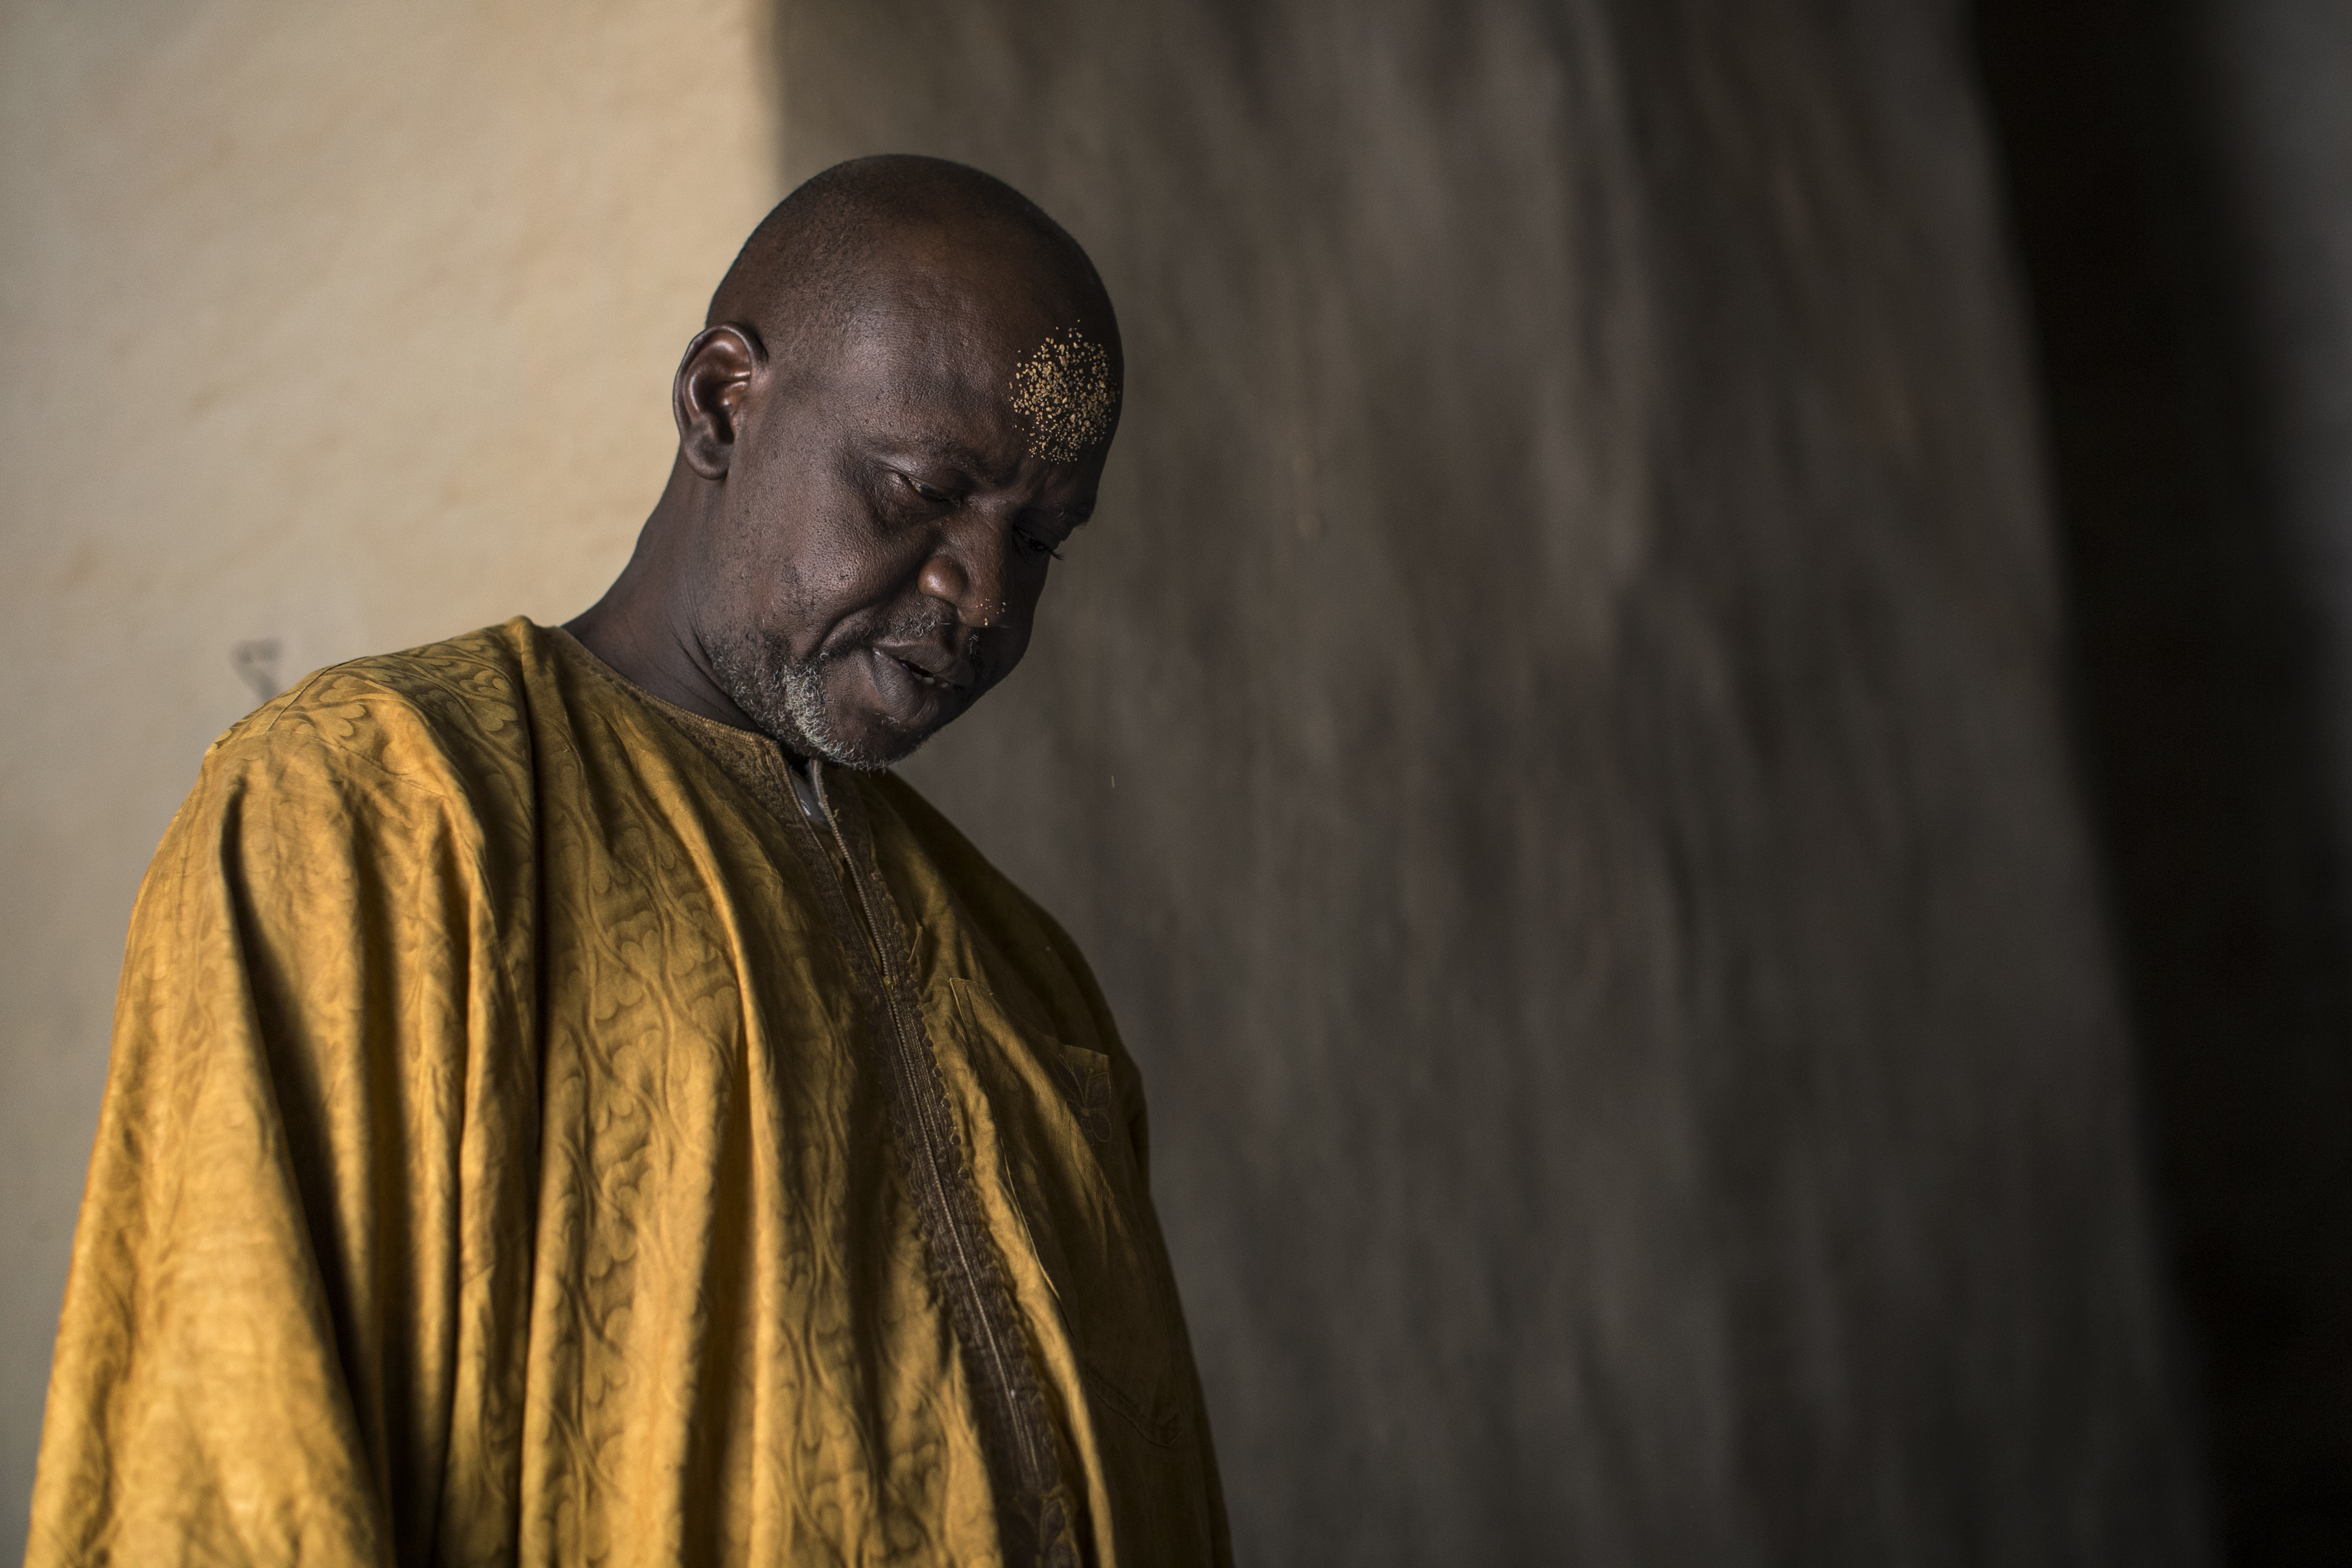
{"x":535,"y":1136}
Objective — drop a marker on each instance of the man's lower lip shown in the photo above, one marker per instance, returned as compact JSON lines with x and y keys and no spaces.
{"x":907,"y":697}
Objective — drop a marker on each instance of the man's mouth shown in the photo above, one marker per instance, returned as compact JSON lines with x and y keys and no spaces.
{"x":921,"y":675}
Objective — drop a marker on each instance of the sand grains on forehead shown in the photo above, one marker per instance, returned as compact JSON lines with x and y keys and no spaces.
{"x":1063,"y":396}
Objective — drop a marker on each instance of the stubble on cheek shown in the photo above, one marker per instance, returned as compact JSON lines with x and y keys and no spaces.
{"x":788,"y":696}
{"x":782,"y":695}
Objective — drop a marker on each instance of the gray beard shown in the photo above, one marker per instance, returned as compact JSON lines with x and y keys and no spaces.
{"x":785,"y":697}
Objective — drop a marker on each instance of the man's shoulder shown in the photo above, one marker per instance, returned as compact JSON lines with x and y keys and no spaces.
{"x":440,"y":715}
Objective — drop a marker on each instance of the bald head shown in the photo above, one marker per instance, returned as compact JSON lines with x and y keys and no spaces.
{"x":833,"y":251}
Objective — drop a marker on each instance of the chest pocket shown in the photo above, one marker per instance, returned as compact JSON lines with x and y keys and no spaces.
{"x":1063,"y":1143}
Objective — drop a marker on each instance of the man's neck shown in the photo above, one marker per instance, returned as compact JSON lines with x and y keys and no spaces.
{"x":640,"y":628}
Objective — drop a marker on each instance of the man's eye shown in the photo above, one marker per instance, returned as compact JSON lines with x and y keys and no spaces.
{"x":1035,"y":547}
{"x":931,"y":493}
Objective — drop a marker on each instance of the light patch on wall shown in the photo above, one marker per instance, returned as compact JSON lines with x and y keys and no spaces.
{"x":337,"y":329}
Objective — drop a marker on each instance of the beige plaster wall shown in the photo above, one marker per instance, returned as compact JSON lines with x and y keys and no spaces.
{"x":344,"y":327}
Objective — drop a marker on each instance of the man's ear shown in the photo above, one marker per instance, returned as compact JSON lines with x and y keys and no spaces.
{"x":707,"y":395}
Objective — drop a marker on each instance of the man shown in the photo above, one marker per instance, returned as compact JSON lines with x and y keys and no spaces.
{"x":569,"y":1104}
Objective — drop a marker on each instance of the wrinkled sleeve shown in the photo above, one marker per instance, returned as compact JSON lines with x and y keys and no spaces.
{"x":305,"y":1164}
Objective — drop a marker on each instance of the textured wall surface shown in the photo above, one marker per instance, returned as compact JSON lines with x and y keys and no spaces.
{"x":343,"y":327}
{"x":1554,"y":744}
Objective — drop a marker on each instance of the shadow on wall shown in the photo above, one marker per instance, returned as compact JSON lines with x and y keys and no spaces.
{"x":2203,"y":702}
{"x":1554,"y":747}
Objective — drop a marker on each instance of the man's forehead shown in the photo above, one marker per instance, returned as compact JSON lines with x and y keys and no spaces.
{"x":980,"y":389}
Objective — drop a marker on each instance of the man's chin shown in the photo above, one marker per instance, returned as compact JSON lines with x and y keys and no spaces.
{"x":876,"y":747}
{"x":874,"y":761}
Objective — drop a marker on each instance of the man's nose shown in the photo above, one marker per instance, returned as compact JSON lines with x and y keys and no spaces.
{"x":966,"y":570}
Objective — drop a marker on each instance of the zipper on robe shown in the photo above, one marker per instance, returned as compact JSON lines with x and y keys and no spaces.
{"x":1033,"y":1507}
